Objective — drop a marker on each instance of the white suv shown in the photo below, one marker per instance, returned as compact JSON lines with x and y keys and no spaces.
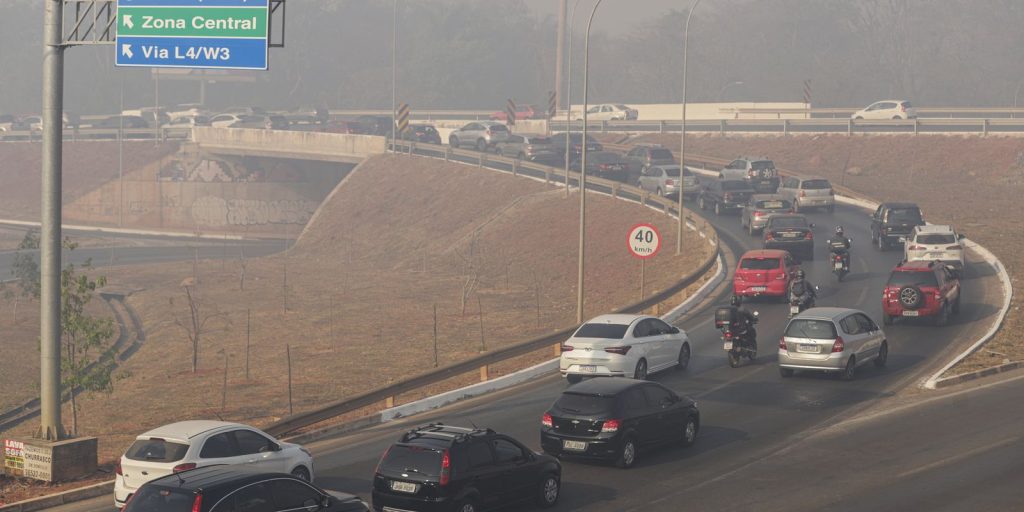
{"x":190,"y":444}
{"x":887,"y":109}
{"x":623,"y":346}
{"x":935,"y":242}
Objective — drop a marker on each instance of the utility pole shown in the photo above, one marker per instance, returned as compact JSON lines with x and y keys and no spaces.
{"x":583,"y":170}
{"x":559,"y":55}
{"x":50,"y":427}
{"x":682,"y":134}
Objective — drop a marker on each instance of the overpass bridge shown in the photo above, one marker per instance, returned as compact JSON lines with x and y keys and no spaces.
{"x":299,"y":145}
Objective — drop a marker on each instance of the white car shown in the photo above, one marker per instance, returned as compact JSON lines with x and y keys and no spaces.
{"x":887,"y":109}
{"x":935,"y":242}
{"x":609,"y":112}
{"x":190,"y":444}
{"x":624,"y":346}
{"x":225,"y":120}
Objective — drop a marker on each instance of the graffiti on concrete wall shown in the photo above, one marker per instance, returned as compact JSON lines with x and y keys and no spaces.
{"x":216,"y":211}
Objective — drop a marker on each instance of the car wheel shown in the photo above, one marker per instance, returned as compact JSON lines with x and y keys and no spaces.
{"x":734,"y":359}
{"x":850,"y":370}
{"x":574,"y":379}
{"x":883,"y":355}
{"x":684,"y":357}
{"x":750,"y":229}
{"x":301,"y":473}
{"x":549,"y":491}
{"x":956,"y":306}
{"x":466,"y":505}
{"x":896,"y":117}
{"x":858,"y":118}
{"x":640,"y":373}
{"x":718,"y":208}
{"x":453,"y":141}
{"x":703,"y":205}
{"x":627,"y":454}
{"x":786,"y":372}
{"x":690,"y":431}
{"x":752,"y":353}
{"x":521,"y":156}
{"x":880,"y":243}
{"x":943,"y":317}
{"x":481,"y":145}
{"x":887,"y":319}
{"x":660,"y":192}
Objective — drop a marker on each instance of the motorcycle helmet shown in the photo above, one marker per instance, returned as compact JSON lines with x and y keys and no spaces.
{"x":736,"y":300}
{"x":839,"y":231}
{"x":799,"y":274}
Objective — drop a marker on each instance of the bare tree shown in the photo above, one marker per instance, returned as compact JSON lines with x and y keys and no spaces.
{"x":202,"y":319}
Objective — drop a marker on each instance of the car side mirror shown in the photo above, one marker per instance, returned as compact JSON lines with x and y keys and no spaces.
{"x":675,"y":330}
{"x":961,"y":236}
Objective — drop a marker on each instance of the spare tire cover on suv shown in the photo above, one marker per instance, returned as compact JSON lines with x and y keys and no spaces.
{"x":911,"y":297}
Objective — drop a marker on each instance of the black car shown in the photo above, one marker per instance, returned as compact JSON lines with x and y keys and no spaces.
{"x":612,"y":418}
{"x":893,"y":221}
{"x":422,"y":133}
{"x":575,"y":145}
{"x":442,"y":467}
{"x":373,"y":125}
{"x":723,"y":195}
{"x":604,"y":164}
{"x":790,"y":232}
{"x":231,"y":488}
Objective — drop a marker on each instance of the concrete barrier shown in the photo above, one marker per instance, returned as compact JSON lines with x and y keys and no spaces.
{"x":334,"y":147}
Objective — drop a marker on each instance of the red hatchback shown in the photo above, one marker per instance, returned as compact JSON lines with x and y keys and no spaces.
{"x":764,"y":272}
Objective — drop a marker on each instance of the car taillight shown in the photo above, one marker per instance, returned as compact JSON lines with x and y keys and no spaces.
{"x":758,"y":214}
{"x":916,"y":248}
{"x":902,"y":108}
{"x":938,"y":295}
{"x":768,"y":235}
{"x":546,"y":420}
{"x":487,"y":131}
{"x":381,"y":461}
{"x":611,"y":426}
{"x":670,"y":183}
{"x":727,"y":196}
{"x":803,"y":193}
{"x":197,"y":504}
{"x":619,"y":350}
{"x":446,"y":469}
{"x":603,"y":166}
{"x":184,"y":467}
{"x":117,"y":468}
{"x":566,"y":348}
{"x":782,"y":343}
{"x":831,"y":192}
{"x":838,"y":345}
{"x":728,"y":335}
{"x":751,"y":173}
{"x":809,"y":235}
{"x":780,"y":277}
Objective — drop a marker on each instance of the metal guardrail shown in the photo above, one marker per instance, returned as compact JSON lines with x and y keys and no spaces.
{"x":981,"y":126}
{"x":481,"y":362}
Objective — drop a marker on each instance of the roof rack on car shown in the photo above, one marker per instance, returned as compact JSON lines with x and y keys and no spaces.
{"x":442,"y":430}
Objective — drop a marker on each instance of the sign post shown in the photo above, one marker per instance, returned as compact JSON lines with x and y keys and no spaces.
{"x":510,"y":111}
{"x":217,"y":34}
{"x":403,"y":118}
{"x":644,"y":242}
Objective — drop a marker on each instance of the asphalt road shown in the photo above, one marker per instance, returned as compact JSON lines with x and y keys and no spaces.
{"x":749,"y":413}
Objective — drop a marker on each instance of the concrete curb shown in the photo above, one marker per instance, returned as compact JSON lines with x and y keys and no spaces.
{"x":62,"y":498}
{"x":964,"y":377}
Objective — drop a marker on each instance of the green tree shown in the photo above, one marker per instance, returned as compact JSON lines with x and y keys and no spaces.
{"x":25,"y":270}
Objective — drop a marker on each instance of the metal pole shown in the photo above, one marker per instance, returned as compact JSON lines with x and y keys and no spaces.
{"x":120,"y":160}
{"x":560,"y":52}
{"x":50,"y":427}
{"x":568,"y":99}
{"x":1015,"y":93}
{"x":156,"y":105}
{"x":394,"y":77}
{"x":583,"y":169}
{"x":682,"y":136}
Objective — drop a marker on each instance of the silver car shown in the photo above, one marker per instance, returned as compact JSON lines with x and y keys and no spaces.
{"x":535,"y":148}
{"x":760,"y":208}
{"x":664,"y":181}
{"x":831,"y":340}
{"x":808,"y":193}
{"x":480,"y":134}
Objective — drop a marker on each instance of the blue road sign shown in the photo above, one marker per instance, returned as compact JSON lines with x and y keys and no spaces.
{"x":212,"y":34}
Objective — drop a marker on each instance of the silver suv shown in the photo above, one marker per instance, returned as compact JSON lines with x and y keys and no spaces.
{"x":831,"y":340}
{"x":480,"y":134}
{"x":759,"y":172}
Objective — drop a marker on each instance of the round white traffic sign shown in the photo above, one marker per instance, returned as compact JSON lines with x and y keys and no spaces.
{"x":644,"y":241}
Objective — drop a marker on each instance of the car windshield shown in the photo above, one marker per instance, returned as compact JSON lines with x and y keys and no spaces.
{"x":734,"y":185}
{"x":673,"y":172}
{"x":787,"y":222}
{"x":584,"y":404}
{"x":759,"y":263}
{"x":161,"y":499}
{"x":901,"y":278}
{"x":661,"y":154}
{"x":773,"y":204}
{"x":605,"y":157}
{"x":605,"y":331}
{"x":905,"y":215}
{"x":404,"y":458}
{"x":621,"y":107}
{"x":540,"y":140}
{"x":156,"y":450}
{"x":813,"y":329}
{"x":815,"y":184}
{"x":762,"y":164}
{"x":497,"y":128}
{"x":936,"y":239}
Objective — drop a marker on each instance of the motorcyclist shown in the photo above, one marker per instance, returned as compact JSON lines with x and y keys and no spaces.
{"x":801,"y":289}
{"x":840,"y":244}
{"x":745,"y":320}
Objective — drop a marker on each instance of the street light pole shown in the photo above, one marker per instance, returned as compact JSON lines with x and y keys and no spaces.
{"x":1015,"y":93}
{"x":724,"y":87}
{"x":394,"y":77}
{"x":682,"y":136}
{"x":583,"y":168}
{"x":568,"y":99}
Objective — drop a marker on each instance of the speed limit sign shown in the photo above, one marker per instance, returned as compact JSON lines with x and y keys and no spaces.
{"x":644,"y":241}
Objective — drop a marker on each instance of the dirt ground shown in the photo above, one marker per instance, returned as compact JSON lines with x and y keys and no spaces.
{"x":354,"y":299}
{"x":973,"y":183}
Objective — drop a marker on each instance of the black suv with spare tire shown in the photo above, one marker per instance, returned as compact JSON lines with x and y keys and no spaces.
{"x":441,"y":467}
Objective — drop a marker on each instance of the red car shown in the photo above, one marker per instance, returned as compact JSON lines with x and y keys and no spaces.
{"x":921,"y":289}
{"x":764,"y":272}
{"x":522,"y":112}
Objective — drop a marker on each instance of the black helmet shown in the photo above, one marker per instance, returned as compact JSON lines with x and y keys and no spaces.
{"x":839,"y":231}
{"x":736,"y":300}
{"x":799,"y":273}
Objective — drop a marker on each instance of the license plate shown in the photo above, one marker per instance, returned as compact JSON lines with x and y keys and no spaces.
{"x":758,"y":288}
{"x":935,"y":255}
{"x":574,"y":445}
{"x":404,"y":486}
{"x":807,"y":349}
{"x":790,"y":235}
{"x":838,"y":266}
{"x":794,"y":310}
{"x":588,"y":368}
{"x":910,"y":313}
{"x":727,"y":345}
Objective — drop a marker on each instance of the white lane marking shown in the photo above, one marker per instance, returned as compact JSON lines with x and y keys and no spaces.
{"x":958,"y":457}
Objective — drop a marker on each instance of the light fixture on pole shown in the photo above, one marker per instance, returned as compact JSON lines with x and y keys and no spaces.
{"x":583,"y":168}
{"x":724,"y":87}
{"x":682,"y":136}
{"x":568,"y":99}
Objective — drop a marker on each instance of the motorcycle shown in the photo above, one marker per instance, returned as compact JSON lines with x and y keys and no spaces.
{"x":739,"y":342}
{"x":799,"y":303}
{"x":839,"y":266}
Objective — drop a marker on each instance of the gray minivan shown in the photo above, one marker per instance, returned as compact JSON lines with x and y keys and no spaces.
{"x":808,"y":192}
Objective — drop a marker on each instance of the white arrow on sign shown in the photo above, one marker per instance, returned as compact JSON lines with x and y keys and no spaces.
{"x":128,"y":21}
{"x":126,"y":50}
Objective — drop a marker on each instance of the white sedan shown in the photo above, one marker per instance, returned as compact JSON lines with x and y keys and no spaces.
{"x":190,"y":444}
{"x":609,"y":112}
{"x":624,"y":346}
